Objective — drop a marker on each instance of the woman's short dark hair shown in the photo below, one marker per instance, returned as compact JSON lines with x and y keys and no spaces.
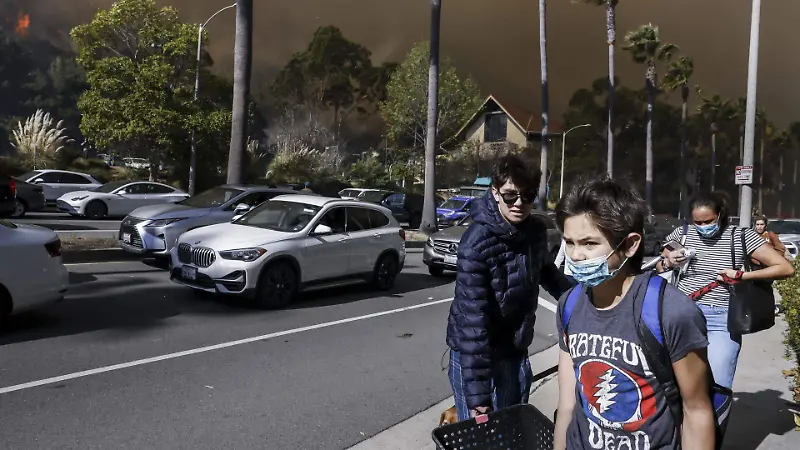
{"x":521,"y":171}
{"x":761,"y":217}
{"x":719,"y":202}
{"x":616,"y":208}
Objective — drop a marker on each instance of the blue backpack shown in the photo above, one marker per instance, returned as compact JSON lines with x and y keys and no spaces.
{"x":648,"y":326}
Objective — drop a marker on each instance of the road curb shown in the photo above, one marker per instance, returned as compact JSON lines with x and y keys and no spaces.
{"x":97,"y":256}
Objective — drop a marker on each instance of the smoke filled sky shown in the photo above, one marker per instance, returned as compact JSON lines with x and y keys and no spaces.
{"x":496,"y":41}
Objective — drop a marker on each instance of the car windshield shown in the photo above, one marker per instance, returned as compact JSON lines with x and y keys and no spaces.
{"x":372,"y":196}
{"x":453,"y":204}
{"x":784,"y":227}
{"x":278,"y":215}
{"x":29,"y":175}
{"x":213,"y":197}
{"x":110,"y":187}
{"x":350,"y":193}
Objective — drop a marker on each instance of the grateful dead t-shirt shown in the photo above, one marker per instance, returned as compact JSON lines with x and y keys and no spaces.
{"x":619,"y":403}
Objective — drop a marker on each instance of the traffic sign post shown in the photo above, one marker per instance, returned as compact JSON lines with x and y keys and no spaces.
{"x":744,"y":175}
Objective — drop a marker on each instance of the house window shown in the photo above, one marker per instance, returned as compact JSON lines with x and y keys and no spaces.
{"x":496,"y":128}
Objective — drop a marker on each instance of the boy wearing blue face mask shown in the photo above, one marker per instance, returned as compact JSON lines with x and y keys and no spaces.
{"x":609,"y":396}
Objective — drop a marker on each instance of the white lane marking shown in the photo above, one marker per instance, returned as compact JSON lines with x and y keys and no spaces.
{"x":140,"y":362}
{"x":86,"y":373}
{"x":547,"y":304}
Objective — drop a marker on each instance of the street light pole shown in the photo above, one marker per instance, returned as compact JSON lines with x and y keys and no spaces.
{"x":193,"y":157}
{"x":746,"y":204}
{"x":563,"y":147}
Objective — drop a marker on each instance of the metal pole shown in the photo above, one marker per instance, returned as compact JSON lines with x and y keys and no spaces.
{"x":193,"y":157}
{"x":563,"y":147}
{"x":545,"y":103}
{"x":746,"y":206}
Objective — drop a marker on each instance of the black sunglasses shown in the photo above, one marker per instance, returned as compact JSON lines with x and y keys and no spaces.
{"x":509,"y":198}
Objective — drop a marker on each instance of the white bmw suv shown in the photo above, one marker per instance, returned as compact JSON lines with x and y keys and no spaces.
{"x":289,"y":244}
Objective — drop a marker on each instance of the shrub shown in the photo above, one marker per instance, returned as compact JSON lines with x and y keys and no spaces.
{"x":38,"y":141}
{"x":790,"y":300}
{"x":97,"y":168}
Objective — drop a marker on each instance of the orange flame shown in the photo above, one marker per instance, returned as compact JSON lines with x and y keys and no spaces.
{"x":23,"y":22}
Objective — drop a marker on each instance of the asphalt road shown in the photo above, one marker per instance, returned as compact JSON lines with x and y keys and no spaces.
{"x":334,"y":369}
{"x":65,"y":222}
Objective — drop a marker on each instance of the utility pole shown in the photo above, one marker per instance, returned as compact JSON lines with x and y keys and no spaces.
{"x":746,"y":205}
{"x":545,"y":102}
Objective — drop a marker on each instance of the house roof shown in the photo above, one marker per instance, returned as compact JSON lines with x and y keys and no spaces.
{"x":525,"y":119}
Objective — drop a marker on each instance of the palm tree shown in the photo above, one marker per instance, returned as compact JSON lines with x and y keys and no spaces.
{"x":545,"y":102}
{"x":242,"y":64}
{"x":738,"y":113}
{"x":794,"y":130}
{"x":767,"y":131}
{"x":677,"y":77}
{"x":713,"y":110}
{"x":611,"y":32}
{"x":782,"y":142}
{"x":429,"y":225}
{"x":646,"y":47}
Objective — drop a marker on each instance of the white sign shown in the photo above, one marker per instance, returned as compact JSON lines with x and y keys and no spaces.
{"x":744,"y":174}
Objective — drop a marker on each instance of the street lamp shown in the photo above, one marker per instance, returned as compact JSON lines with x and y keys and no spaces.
{"x":563,"y":147}
{"x":193,"y":160}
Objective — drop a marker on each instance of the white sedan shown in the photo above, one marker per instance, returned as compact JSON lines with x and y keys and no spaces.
{"x":118,"y":199}
{"x":289,"y":244}
{"x":31,"y":272}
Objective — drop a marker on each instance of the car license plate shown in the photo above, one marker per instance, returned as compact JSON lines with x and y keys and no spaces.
{"x":189,"y":273}
{"x":450,"y":259}
{"x":126,"y":238}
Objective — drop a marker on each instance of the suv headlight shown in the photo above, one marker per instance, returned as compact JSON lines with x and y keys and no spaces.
{"x":243,"y":254}
{"x":163,"y":222}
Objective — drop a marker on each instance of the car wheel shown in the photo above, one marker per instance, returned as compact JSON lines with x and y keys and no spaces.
{"x":6,"y":305}
{"x":435,"y":271}
{"x":20,"y":208}
{"x":385,"y":272}
{"x":95,"y":210}
{"x":277,"y":286}
{"x":414,"y":222}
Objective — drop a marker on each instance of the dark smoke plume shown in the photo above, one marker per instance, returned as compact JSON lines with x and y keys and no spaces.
{"x":496,"y":40}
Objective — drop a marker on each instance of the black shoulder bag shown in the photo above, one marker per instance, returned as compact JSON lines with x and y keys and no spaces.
{"x":752,"y":303}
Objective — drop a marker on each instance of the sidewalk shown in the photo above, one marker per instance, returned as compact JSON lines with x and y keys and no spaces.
{"x":759,"y":419}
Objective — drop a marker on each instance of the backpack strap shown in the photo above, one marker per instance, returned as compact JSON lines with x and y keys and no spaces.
{"x":569,"y":306}
{"x":651,"y":335}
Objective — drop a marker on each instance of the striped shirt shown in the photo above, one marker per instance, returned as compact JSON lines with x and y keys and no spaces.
{"x":713,"y":255}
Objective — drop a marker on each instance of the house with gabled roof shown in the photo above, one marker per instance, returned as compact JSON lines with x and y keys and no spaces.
{"x":505,"y":124}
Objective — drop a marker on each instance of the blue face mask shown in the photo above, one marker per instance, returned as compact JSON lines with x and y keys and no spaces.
{"x":592,"y":272}
{"x":707,"y":231}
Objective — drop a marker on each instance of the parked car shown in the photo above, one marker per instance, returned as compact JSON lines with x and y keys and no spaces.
{"x":353,"y":192}
{"x":289,"y":244}
{"x":472,"y":191}
{"x":788,"y":232}
{"x":136,"y":163}
{"x":30,"y":197}
{"x":118,"y":199}
{"x":453,"y":209}
{"x":31,"y":272}
{"x":56,"y":183}
{"x":404,"y":207}
{"x":8,"y":195}
{"x":154,"y":229}
{"x":441,"y":249}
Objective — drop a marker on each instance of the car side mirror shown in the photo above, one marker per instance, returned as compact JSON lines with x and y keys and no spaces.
{"x":241,"y":208}
{"x":322,"y":230}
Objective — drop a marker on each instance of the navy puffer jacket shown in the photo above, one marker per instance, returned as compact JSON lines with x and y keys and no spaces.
{"x":500,"y":267}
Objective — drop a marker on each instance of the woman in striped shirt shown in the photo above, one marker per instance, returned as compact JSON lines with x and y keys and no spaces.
{"x":709,"y":236}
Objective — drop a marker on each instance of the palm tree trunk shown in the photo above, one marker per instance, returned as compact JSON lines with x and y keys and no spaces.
{"x":713,"y":161}
{"x":684,"y":115}
{"x":242,"y":63}
{"x":428,"y":224}
{"x":545,"y":102}
{"x":794,"y":183}
{"x":611,"y":30}
{"x":651,"y":86}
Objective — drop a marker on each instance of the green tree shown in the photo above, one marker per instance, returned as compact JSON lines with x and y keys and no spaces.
{"x":332,"y":74}
{"x":677,"y":78}
{"x":644,"y":44}
{"x":713,"y":110}
{"x":139,"y":62}
{"x":781,"y":143}
{"x":405,"y":110}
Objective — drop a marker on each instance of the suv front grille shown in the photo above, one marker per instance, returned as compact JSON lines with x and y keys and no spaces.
{"x":199,"y":256}
{"x":450,"y":248}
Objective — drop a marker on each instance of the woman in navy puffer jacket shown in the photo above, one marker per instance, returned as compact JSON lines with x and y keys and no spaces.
{"x":502,"y":259}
